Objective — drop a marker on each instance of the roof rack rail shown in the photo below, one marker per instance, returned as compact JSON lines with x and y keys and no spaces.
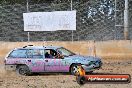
{"x":30,"y":45}
{"x":27,"y":46}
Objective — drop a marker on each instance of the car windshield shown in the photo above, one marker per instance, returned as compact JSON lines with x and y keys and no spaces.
{"x":65,"y":52}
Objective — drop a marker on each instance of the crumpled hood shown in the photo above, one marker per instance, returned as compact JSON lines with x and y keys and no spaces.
{"x":83,"y":58}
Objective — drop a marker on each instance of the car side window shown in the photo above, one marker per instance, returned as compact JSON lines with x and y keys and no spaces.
{"x":50,"y":53}
{"x":35,"y":53}
{"x":20,"y":53}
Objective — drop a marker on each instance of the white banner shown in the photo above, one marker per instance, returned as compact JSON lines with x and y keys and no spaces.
{"x":50,"y":21}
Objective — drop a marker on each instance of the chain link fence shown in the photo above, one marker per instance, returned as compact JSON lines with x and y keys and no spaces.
{"x":95,"y":21}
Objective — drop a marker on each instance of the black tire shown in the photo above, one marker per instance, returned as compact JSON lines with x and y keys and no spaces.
{"x":90,"y":72}
{"x":81,"y":80}
{"x":74,"y":69}
{"x":23,"y":70}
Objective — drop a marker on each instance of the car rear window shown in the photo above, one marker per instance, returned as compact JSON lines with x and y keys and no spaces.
{"x":36,"y":53}
{"x":21,"y":53}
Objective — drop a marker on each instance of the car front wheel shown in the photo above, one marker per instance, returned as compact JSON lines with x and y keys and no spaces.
{"x":74,"y":69}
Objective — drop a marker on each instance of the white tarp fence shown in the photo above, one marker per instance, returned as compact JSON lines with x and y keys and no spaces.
{"x":49,"y":21}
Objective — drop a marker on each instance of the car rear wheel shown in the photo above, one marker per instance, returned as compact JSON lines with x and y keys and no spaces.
{"x":23,"y":70}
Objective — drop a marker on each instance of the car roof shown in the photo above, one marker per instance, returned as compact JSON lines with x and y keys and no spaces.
{"x":39,"y":47}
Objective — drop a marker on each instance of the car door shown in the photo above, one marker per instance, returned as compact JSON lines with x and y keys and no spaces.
{"x":36,"y":60}
{"x":53,"y":64}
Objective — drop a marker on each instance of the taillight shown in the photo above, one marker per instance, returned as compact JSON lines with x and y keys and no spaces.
{"x":5,"y":61}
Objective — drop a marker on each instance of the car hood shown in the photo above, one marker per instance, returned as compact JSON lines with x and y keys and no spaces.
{"x":83,"y":58}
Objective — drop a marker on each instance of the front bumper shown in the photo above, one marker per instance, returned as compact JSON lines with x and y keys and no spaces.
{"x":92,"y":67}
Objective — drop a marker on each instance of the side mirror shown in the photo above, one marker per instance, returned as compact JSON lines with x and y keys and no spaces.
{"x":62,"y":57}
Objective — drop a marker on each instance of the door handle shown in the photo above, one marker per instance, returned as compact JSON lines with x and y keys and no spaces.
{"x":46,"y":60}
{"x":29,"y":60}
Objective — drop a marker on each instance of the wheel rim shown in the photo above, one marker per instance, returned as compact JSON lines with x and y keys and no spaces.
{"x":22,"y":71}
{"x":74,"y":69}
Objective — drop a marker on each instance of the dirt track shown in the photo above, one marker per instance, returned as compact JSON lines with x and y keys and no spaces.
{"x":111,"y":66}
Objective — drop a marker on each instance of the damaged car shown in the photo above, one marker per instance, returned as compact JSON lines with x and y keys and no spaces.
{"x":35,"y":59}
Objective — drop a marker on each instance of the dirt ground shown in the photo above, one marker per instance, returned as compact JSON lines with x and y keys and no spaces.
{"x":63,"y":80}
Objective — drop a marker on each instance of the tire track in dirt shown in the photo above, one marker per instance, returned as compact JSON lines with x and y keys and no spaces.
{"x":9,"y":79}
